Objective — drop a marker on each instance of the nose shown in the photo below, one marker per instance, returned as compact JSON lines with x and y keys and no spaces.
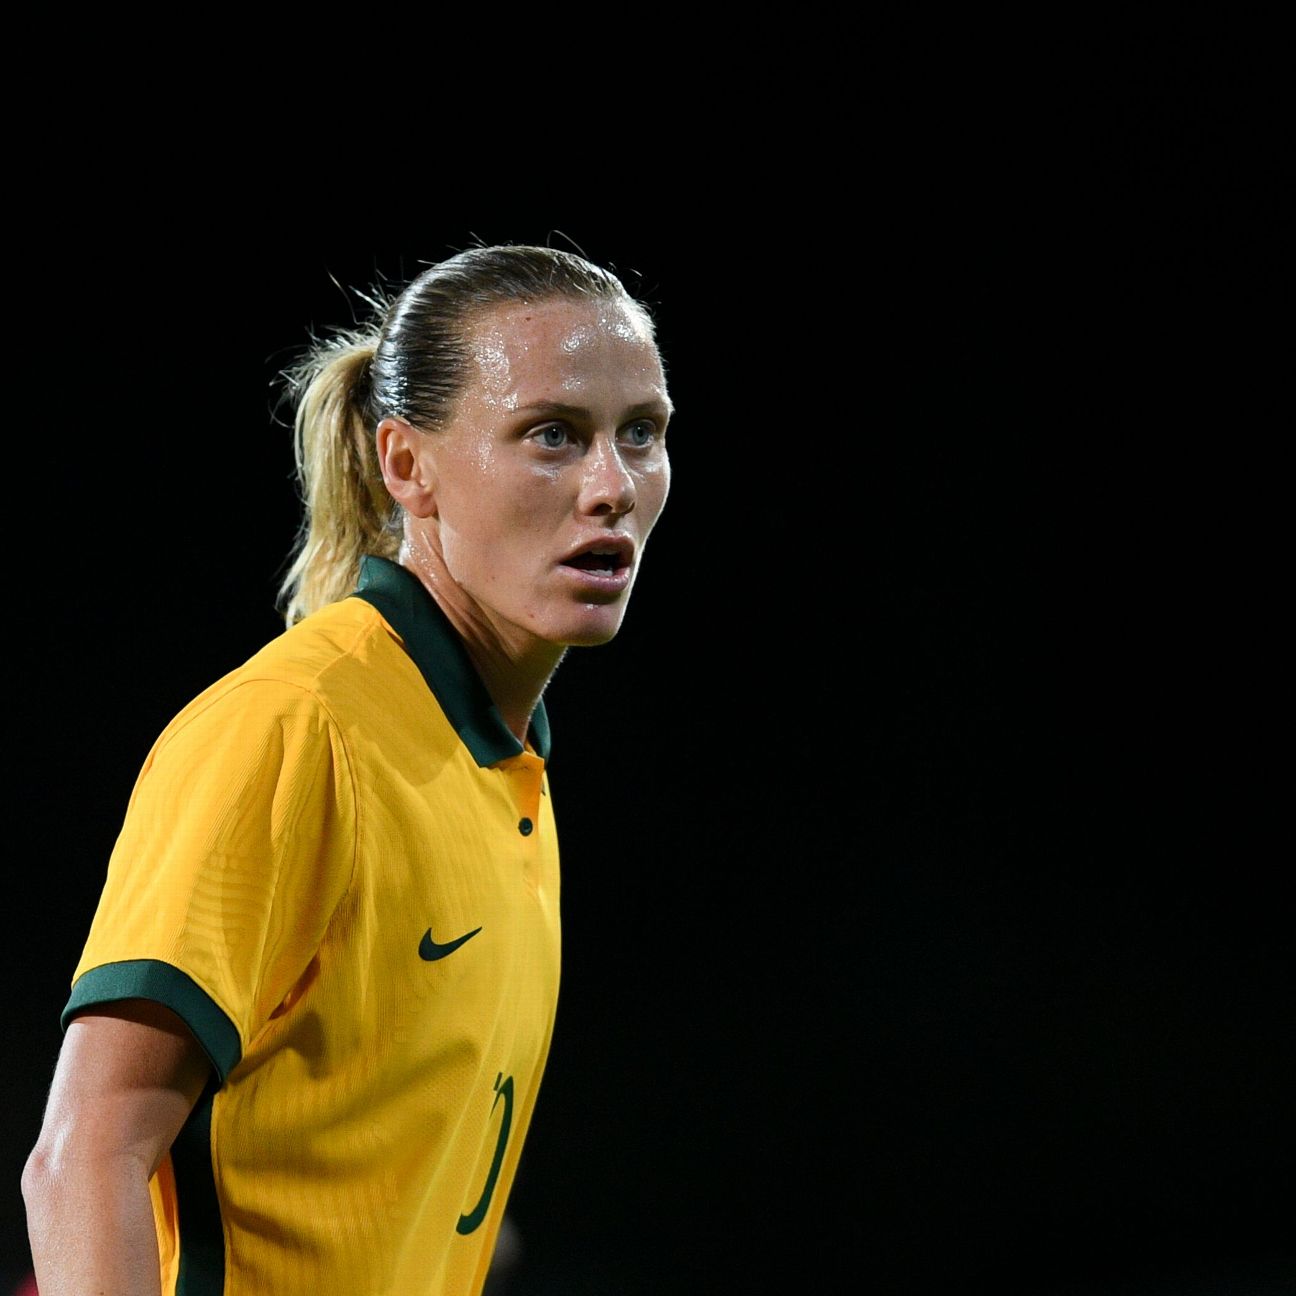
{"x":608,"y":486}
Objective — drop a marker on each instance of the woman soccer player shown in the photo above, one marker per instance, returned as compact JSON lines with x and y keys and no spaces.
{"x":305,"y":1037}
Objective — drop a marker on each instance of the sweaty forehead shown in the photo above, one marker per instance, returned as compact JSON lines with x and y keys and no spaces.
{"x":526,"y":352}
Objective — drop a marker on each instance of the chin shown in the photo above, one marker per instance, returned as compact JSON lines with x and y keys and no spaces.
{"x":589,"y":632}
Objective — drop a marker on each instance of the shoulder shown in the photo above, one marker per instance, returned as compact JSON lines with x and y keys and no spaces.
{"x":298,"y":695}
{"x":325,"y":647}
{"x":317,"y":666}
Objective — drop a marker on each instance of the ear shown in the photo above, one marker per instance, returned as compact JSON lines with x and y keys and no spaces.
{"x":406,"y":467}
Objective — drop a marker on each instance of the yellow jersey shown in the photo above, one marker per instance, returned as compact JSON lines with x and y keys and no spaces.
{"x":340,"y":868}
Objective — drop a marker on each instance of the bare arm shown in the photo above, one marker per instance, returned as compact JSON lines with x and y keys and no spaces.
{"x":128,"y":1076}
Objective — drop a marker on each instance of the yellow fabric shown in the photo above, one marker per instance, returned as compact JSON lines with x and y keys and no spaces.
{"x":293,"y":835}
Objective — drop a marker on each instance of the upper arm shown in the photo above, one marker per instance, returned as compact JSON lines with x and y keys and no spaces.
{"x":237,"y":847}
{"x":127,"y":1078}
{"x":236,"y":850}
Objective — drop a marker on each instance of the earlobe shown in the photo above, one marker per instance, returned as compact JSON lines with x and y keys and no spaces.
{"x":406,"y":468}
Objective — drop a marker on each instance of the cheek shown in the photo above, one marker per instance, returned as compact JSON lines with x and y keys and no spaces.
{"x":537,"y":502}
{"x":503,"y":528}
{"x":653,"y":489}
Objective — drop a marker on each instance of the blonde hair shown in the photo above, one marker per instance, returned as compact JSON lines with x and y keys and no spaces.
{"x":411,"y":362}
{"x":348,"y":512}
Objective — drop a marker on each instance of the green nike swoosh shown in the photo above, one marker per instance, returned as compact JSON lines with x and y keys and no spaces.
{"x":430,"y":951}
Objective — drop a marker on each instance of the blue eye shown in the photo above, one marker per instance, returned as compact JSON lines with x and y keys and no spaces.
{"x":641,"y":433}
{"x":553,"y":437}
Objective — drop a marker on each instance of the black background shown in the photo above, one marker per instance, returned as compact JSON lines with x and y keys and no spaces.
{"x":924,"y":925}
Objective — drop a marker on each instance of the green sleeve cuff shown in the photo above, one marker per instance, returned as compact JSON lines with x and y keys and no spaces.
{"x":167,"y":985}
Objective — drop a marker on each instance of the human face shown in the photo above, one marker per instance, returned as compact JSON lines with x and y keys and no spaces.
{"x":550,"y":474}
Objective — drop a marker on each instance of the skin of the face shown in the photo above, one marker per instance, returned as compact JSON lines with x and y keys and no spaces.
{"x":527,"y":513}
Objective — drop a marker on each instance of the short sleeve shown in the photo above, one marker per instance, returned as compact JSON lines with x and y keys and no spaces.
{"x":237,"y":848}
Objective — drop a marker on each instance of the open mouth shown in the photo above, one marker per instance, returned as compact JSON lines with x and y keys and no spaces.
{"x":597,"y":561}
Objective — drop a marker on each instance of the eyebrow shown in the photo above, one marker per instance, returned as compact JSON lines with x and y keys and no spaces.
{"x":555,"y":409}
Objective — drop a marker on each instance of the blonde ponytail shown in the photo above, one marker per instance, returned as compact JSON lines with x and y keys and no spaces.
{"x":348,"y":512}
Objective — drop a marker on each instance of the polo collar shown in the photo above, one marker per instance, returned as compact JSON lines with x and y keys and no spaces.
{"x":436,"y":649}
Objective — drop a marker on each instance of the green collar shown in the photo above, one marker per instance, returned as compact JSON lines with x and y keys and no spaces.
{"x":440,"y":655}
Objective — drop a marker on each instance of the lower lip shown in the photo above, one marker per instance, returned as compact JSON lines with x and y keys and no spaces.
{"x":598,"y":582}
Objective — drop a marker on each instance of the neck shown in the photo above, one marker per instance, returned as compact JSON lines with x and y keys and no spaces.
{"x":514,"y":686}
{"x":513,"y":665}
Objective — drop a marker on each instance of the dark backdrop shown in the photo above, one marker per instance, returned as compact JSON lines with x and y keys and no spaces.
{"x":922,"y":918}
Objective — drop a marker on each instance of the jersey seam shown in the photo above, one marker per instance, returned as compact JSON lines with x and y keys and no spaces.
{"x":364,"y":631}
{"x":310,"y":690}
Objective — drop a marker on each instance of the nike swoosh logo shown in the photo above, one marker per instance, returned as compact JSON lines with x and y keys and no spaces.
{"x":430,"y":951}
